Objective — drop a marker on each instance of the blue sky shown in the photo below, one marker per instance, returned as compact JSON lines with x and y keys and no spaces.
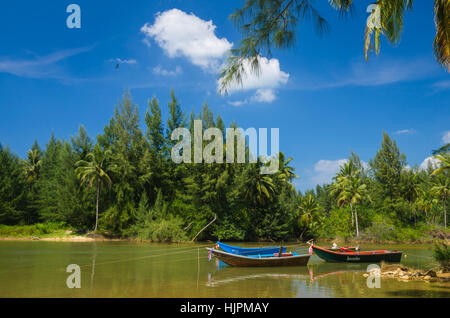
{"x":323,"y":96}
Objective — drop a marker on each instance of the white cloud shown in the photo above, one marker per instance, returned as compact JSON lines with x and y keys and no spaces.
{"x":441,"y":86}
{"x":146,"y":41}
{"x":182,"y":34}
{"x":446,"y":137}
{"x":375,"y":73}
{"x":264,"y":95}
{"x":41,"y":66}
{"x":405,"y":132}
{"x":325,"y":170}
{"x":429,"y":161}
{"x":120,"y":61}
{"x":238,"y":102}
{"x":365,"y":165}
{"x":158,"y":70}
{"x":270,"y":76}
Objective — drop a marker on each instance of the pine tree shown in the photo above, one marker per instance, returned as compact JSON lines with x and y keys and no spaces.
{"x":12,"y":189}
{"x":387,"y":167}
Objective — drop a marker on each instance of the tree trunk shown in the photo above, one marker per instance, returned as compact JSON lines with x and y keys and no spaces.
{"x":96,"y":205}
{"x":356,"y":220}
{"x":303,"y":232}
{"x":351,"y":209}
{"x":445,"y":215}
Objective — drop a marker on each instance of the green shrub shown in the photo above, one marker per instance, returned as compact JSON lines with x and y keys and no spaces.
{"x":416,"y":233}
{"x":229,"y":231}
{"x":382,"y":229}
{"x":163,"y":230}
{"x":337,"y":224}
{"x":441,"y":253}
{"x":50,"y":227}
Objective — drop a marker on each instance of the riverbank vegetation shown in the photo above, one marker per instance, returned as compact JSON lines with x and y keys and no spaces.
{"x":123,"y":183}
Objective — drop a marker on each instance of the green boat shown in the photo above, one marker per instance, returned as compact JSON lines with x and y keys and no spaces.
{"x":353,"y":256}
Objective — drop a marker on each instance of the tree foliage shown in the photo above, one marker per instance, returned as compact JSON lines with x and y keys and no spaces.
{"x":127,"y":179}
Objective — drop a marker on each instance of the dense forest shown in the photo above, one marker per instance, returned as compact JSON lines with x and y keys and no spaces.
{"x":123,"y":183}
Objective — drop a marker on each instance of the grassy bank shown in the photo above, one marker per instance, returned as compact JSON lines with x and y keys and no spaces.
{"x":422,"y":234}
{"x":40,"y":230}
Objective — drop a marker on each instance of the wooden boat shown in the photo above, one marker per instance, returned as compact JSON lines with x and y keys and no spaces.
{"x":265,"y":260}
{"x":357,"y":256}
{"x":249,"y":250}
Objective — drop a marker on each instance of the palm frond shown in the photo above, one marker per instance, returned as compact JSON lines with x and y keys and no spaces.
{"x":441,"y":43}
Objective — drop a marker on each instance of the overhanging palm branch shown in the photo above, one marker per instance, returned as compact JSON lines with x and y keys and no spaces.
{"x":441,"y":44}
{"x":444,"y":164}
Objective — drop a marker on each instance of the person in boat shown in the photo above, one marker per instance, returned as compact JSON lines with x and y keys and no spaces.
{"x":335,"y":247}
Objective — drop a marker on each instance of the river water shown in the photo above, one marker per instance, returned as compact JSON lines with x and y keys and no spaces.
{"x":129,"y":269}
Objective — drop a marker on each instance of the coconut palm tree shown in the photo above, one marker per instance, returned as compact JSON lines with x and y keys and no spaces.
{"x":94,"y":171}
{"x":307,"y":207}
{"x":444,"y":163}
{"x":336,"y":189}
{"x":286,"y":173}
{"x":441,"y":43}
{"x":259,"y":188}
{"x":32,"y":165}
{"x":346,"y":172}
{"x":441,"y":188}
{"x":354,"y":191}
{"x":426,"y":200}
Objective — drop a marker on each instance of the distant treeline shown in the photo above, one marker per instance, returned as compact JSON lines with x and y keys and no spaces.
{"x":126,"y":177}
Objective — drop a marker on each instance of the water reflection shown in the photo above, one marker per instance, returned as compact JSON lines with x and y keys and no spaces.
{"x":116,"y":269}
{"x":94,"y":255}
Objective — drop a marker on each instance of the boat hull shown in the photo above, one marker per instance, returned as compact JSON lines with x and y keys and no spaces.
{"x":246,"y":261}
{"x":358,"y":257}
{"x":249,"y":250}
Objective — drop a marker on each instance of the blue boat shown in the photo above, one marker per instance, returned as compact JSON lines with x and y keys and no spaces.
{"x":250,"y":250}
{"x":276,"y":259}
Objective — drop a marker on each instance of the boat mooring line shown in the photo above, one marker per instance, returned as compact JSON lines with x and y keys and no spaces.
{"x":145,"y":257}
{"x":414,"y":255}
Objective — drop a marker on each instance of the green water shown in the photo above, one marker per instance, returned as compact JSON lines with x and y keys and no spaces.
{"x":126,"y":269}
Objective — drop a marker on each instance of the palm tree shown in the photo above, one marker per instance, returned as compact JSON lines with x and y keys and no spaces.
{"x":444,"y":163}
{"x":410,"y":182}
{"x":259,"y":188}
{"x":441,"y":189}
{"x":307,"y":207}
{"x":441,"y":43}
{"x":286,"y":173}
{"x":346,"y":171}
{"x":354,"y":191}
{"x":32,"y":165}
{"x":426,"y":200}
{"x":94,"y":171}
{"x":336,"y":189}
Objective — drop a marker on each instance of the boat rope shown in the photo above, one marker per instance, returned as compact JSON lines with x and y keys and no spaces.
{"x":191,"y":249}
{"x":415,"y":255}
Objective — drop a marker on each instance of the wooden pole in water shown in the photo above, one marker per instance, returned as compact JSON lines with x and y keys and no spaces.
{"x":281,"y":251}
